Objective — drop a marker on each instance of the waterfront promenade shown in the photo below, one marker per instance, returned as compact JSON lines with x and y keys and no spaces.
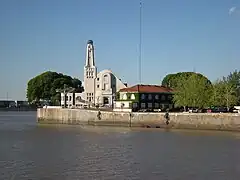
{"x":206,"y":121}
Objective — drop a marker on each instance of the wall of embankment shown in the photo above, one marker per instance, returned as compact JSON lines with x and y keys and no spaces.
{"x":206,"y":121}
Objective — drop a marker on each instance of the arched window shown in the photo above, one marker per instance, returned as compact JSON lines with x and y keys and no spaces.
{"x":163,"y":98}
{"x":156,"y":96}
{"x":132,"y":96}
{"x":105,"y":78}
{"x":142,"y":96}
{"x":149,"y":96}
{"x":124,"y":96}
{"x":78,"y":98}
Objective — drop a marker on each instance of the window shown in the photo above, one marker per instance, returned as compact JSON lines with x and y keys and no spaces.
{"x":163,"y":106}
{"x":70,"y":98}
{"x":97,"y":79}
{"x":98,"y":86}
{"x":105,"y":78}
{"x":124,"y":96}
{"x":143,"y":105}
{"x":156,"y":96}
{"x":132,"y":96}
{"x":163,"y":97}
{"x":149,"y":96}
{"x":78,"y":98}
{"x":169,"y":97}
{"x":134,"y":105}
{"x":149,"y":105}
{"x":142,"y":96}
{"x":156,"y":105}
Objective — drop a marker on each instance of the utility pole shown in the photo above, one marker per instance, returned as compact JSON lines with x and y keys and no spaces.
{"x":140,"y":42}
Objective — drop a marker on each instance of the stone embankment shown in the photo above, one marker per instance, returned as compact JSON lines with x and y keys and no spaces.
{"x":206,"y":121}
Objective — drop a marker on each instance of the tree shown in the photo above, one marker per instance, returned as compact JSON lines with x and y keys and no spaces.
{"x":172,"y":80}
{"x":44,"y":86}
{"x":224,"y":93}
{"x":234,"y":79}
{"x":180,"y":97}
{"x":192,"y":90}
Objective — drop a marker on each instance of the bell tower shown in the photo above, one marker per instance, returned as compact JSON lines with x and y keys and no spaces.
{"x":90,"y":73}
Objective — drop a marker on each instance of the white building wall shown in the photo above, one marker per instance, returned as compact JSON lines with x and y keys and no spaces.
{"x":107,"y":85}
{"x":124,"y":106}
{"x":69,"y":99}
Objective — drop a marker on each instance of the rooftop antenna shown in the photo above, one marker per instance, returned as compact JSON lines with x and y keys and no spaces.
{"x":140,"y":42}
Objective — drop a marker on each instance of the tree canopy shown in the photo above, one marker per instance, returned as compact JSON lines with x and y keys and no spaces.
{"x":195,"y":90}
{"x":44,"y":86}
{"x":192,"y":90}
{"x":172,"y":80}
{"x":226,"y":91}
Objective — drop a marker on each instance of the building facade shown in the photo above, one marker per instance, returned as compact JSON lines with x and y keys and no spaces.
{"x":100,"y":88}
{"x":144,"y":98}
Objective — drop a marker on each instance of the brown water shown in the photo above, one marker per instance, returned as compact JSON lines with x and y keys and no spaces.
{"x":51,"y":152}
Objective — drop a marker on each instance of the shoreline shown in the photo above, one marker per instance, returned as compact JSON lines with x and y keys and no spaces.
{"x":198,"y":121}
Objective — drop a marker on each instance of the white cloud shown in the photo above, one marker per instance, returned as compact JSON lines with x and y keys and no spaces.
{"x":232,"y":10}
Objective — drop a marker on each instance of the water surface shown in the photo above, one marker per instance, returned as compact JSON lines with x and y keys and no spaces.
{"x":61,"y":152}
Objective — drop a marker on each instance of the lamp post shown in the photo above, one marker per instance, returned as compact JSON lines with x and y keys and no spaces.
{"x":113,"y":99}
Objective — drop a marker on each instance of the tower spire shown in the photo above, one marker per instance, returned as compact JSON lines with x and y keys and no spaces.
{"x":90,"y":62}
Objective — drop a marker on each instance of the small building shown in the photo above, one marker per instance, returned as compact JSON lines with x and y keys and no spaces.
{"x":72,"y":100}
{"x":144,"y":98}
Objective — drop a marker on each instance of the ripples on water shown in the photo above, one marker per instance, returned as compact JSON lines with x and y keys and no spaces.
{"x":28,"y":151}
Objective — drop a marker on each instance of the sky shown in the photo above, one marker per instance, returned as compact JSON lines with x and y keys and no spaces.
{"x":186,"y":35}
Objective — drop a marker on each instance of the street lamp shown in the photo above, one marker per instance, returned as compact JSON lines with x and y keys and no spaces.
{"x":113,"y":99}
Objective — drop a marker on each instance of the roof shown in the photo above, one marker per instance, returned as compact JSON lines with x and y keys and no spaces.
{"x":147,"y":89}
{"x":90,"y":42}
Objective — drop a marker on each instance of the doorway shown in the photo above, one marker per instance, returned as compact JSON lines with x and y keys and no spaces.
{"x":105,"y":100}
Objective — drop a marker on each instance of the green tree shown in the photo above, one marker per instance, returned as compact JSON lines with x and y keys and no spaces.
{"x":44,"y":86}
{"x":224,"y":93}
{"x":234,"y":79}
{"x":180,"y":97}
{"x":192,"y":90}
{"x":172,"y":80}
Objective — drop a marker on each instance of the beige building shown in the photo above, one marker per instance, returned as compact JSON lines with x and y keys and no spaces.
{"x":99,"y":87}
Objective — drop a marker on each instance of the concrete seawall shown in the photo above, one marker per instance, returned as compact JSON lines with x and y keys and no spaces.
{"x":206,"y":121}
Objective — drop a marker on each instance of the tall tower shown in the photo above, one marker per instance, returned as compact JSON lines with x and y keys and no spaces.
{"x":90,"y":73}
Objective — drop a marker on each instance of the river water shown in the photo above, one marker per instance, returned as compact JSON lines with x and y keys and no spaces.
{"x":61,"y":152}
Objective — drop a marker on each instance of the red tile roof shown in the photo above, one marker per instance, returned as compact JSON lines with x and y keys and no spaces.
{"x":147,"y":89}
